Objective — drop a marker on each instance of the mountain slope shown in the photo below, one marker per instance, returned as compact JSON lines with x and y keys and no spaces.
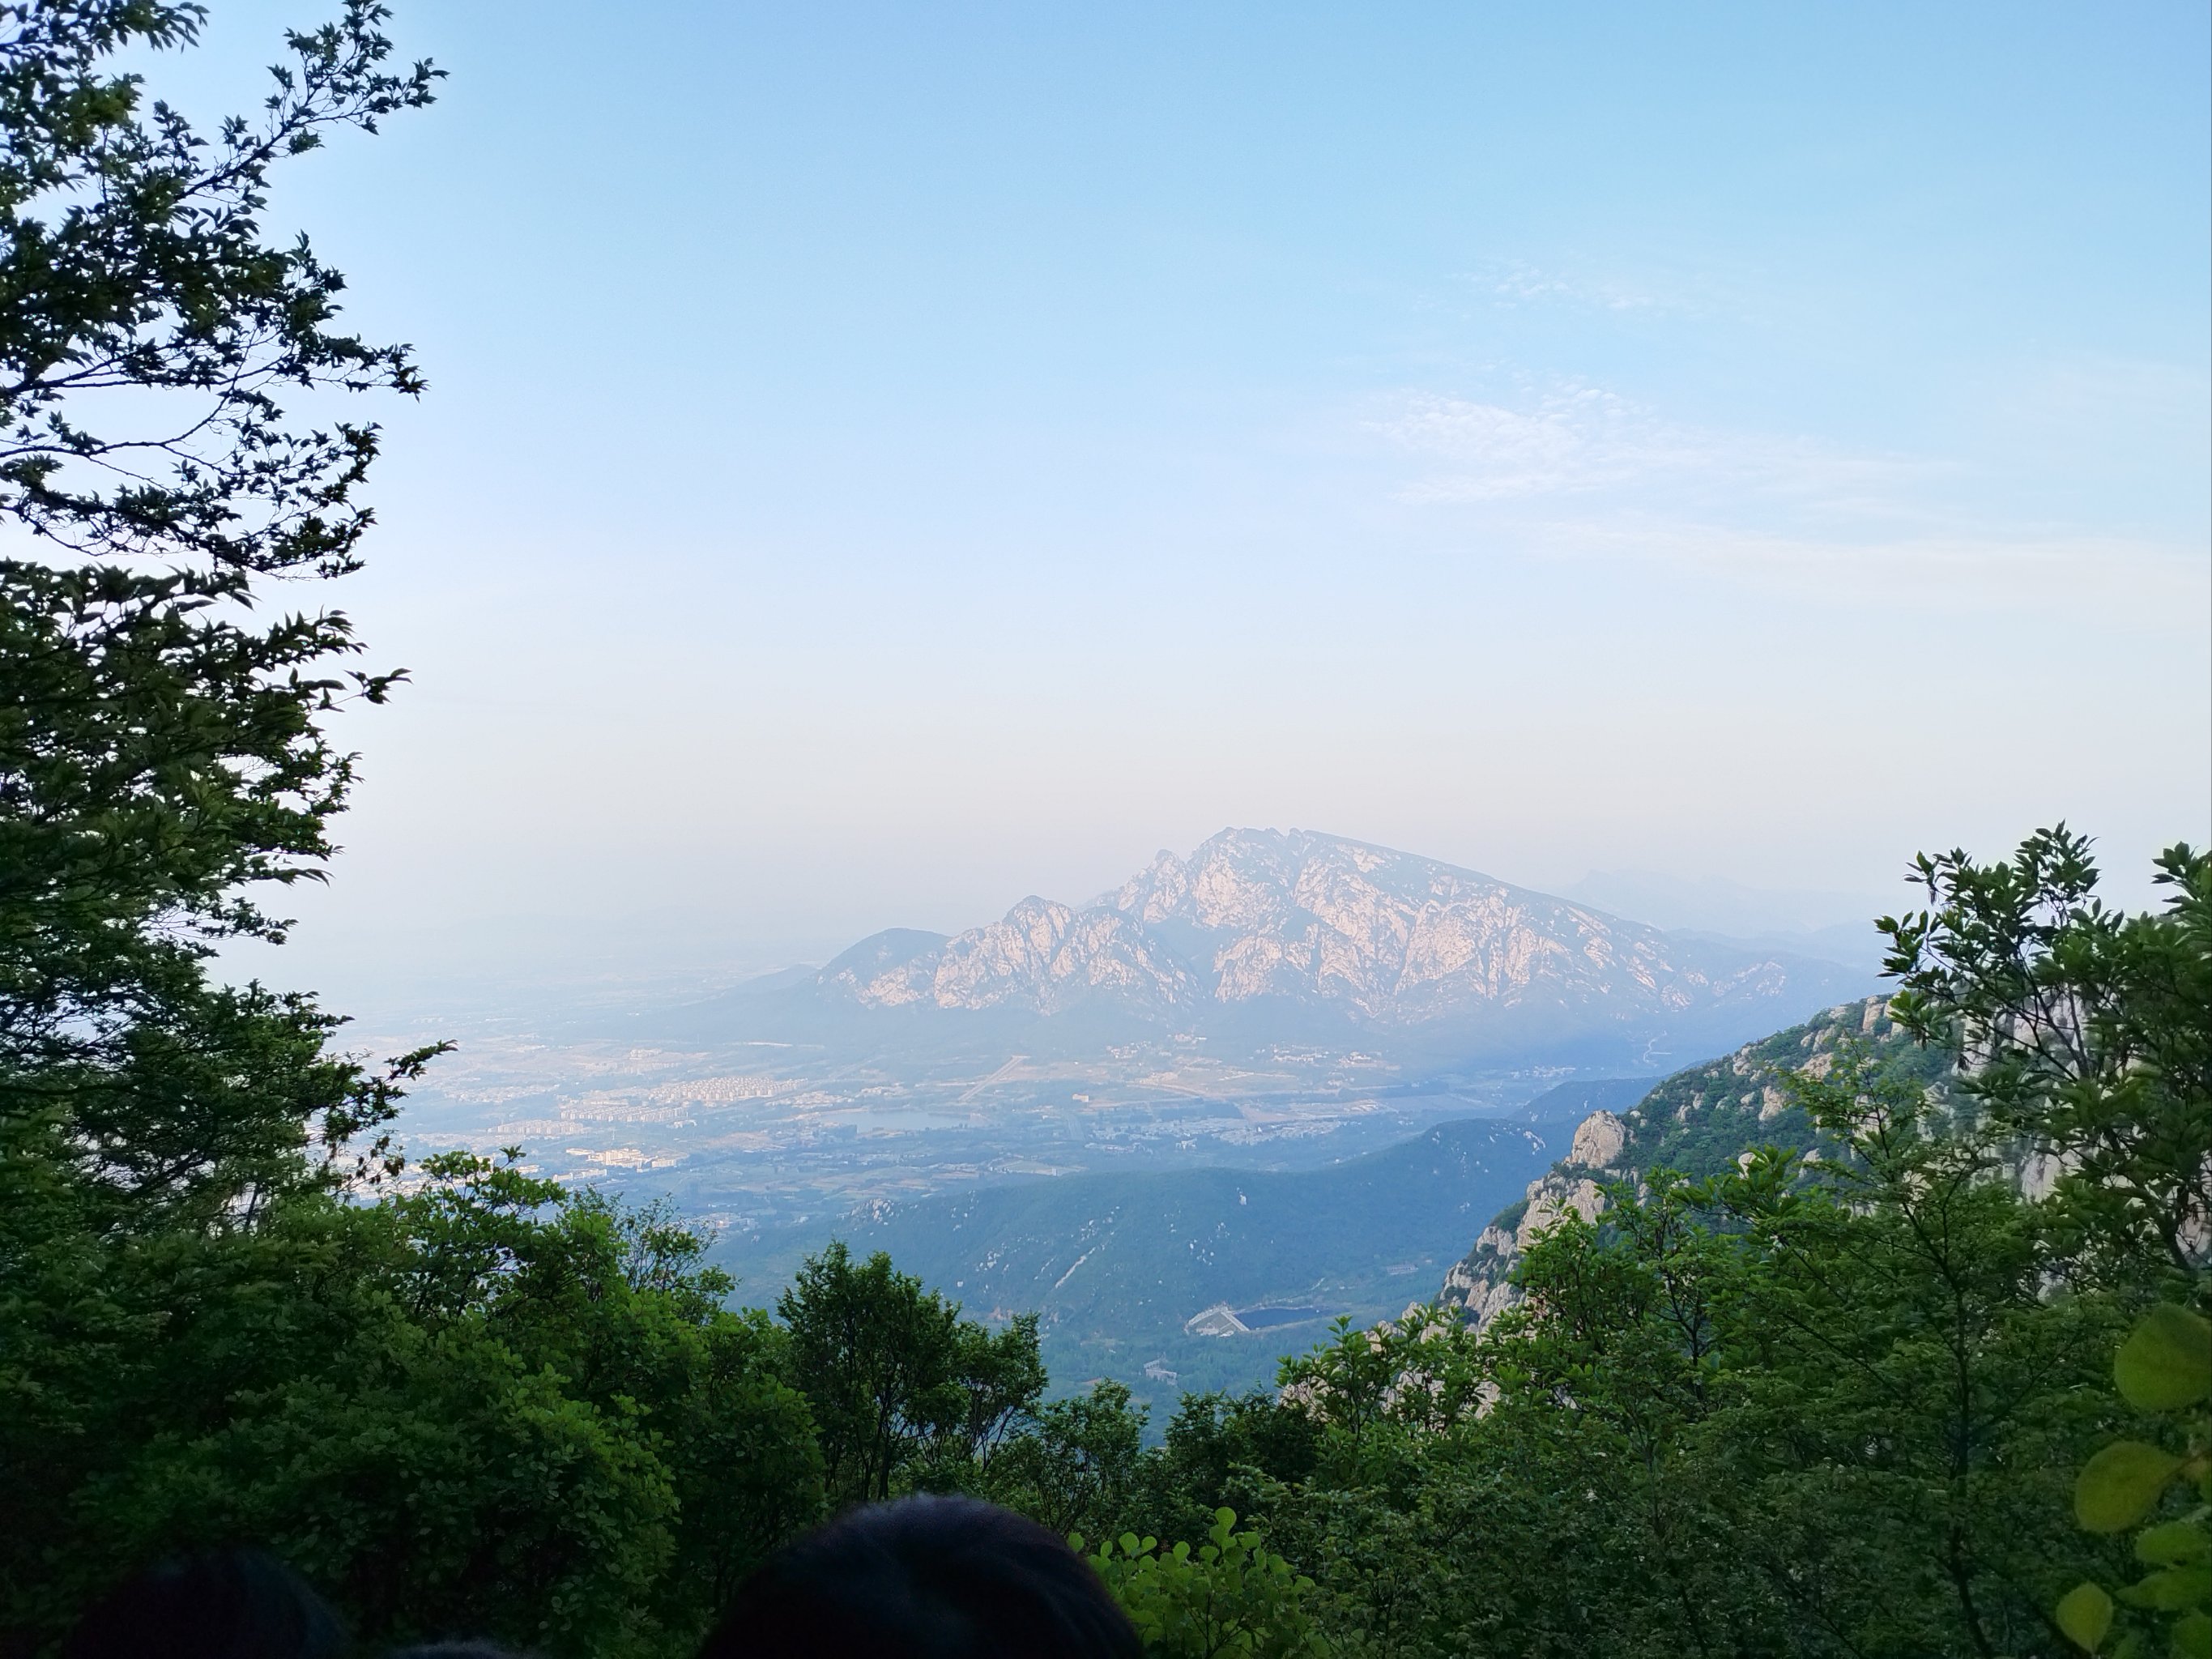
{"x":1698,"y":1121}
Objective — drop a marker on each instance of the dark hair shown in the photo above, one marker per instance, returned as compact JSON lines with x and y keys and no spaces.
{"x":925,"y":1578}
{"x":223,"y":1604}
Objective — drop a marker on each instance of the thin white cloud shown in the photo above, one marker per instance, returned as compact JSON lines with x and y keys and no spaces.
{"x":1488,"y":451}
{"x":1583,"y":440}
{"x":1580,"y":471}
{"x":1516,"y":282}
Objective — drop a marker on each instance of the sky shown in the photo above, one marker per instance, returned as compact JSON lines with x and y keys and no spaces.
{"x":880,"y":462}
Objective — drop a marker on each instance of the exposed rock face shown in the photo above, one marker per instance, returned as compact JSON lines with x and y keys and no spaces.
{"x":1598,"y":1140}
{"x":1382,"y":938}
{"x":1480,"y":1285}
{"x":1696,"y":1122}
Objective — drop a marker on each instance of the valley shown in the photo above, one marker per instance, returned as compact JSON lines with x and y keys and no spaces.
{"x":1180,"y":1280}
{"x":761,"y":1135}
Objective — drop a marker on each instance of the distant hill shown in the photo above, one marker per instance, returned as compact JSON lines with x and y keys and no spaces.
{"x":1270,"y":938}
{"x":1118,"y":1264}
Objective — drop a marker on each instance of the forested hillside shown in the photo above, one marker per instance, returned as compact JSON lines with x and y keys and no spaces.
{"x":1116,"y":1266}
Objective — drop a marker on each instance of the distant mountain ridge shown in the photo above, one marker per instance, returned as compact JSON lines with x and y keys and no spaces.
{"x":1274,"y":933}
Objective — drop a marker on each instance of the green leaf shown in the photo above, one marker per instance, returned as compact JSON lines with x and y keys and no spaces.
{"x":2084,"y":1615}
{"x":2175,"y":1544}
{"x":2193,"y":1637}
{"x":2174,"y":1590}
{"x":2118,"y":1486}
{"x":2167,"y":1361}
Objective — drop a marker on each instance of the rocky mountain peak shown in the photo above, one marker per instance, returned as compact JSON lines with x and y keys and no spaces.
{"x":1305,"y":920}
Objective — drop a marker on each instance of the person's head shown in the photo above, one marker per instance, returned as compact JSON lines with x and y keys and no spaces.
{"x":222,"y":1604}
{"x":925,"y":1578}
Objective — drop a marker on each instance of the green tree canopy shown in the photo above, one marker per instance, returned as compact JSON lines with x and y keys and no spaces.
{"x":903,"y":1390}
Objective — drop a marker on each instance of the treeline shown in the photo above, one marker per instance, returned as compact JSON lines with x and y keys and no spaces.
{"x":1861,"y":1403}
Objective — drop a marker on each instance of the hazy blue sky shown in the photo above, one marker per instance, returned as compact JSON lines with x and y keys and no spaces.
{"x":882,"y":461}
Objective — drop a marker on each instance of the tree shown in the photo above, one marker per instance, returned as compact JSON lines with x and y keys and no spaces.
{"x":1417,"y":1370}
{"x":903,"y":1388}
{"x":1229,"y":1596}
{"x":1075,"y":1467}
{"x":1224,"y":1451}
{"x":2084,"y":1031}
{"x":2087,"y":1036}
{"x":488,"y":1407}
{"x":483,"y":1406}
{"x":1916,"y":1372}
{"x":161,"y":752}
{"x":161,"y":748}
